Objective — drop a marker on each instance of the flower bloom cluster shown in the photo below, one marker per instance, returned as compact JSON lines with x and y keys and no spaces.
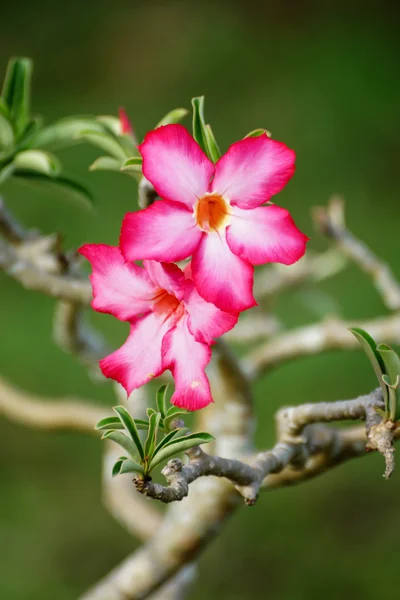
{"x":217,"y":215}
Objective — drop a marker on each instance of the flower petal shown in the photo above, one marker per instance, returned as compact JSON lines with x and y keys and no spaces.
{"x":164,"y":231}
{"x":175,"y":164}
{"x":206,"y":322}
{"x":187,"y":360}
{"x":220,"y":276}
{"x":139,"y":360}
{"x":253,"y":170}
{"x":119,"y":288}
{"x":166,"y":277}
{"x":265,"y":234}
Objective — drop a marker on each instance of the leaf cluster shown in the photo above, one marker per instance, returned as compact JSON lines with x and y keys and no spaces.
{"x":165,"y":436}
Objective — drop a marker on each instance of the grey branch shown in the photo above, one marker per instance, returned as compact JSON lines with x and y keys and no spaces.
{"x":50,"y":414}
{"x":310,"y":340}
{"x":292,"y":447}
{"x":330,"y":221}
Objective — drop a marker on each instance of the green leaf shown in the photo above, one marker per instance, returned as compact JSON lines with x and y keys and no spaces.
{"x":133,"y":164}
{"x":16,"y":92}
{"x":65,"y":132}
{"x":161,"y":399}
{"x":111,"y":123}
{"x":6,"y":172}
{"x":174,"y":116}
{"x":212,"y":146}
{"x":123,"y":440}
{"x":149,"y":412}
{"x":67,"y":186}
{"x":117,"y":466}
{"x":29,"y":133}
{"x":106,"y":163}
{"x":258,"y":132}
{"x":151,"y":439}
{"x":37,"y":160}
{"x":175,"y":433}
{"x":369,"y":346}
{"x":105,"y":141}
{"x":130,"y":425}
{"x":4,"y":109}
{"x":199,"y":123}
{"x":6,"y":136}
{"x":392,"y":367}
{"x":109,"y":423}
{"x":130,"y":466}
{"x":176,"y":446}
{"x":173,"y":413}
{"x":115,"y":423}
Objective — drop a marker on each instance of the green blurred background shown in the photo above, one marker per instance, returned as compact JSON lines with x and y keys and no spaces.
{"x":323,"y":77}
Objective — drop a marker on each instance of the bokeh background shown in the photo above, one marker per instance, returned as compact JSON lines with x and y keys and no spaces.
{"x":323,"y":77}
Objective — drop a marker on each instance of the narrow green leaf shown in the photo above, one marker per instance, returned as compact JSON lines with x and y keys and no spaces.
{"x":150,"y":411}
{"x":130,"y":425}
{"x":65,"y":132}
{"x":106,"y":163}
{"x":130,"y":466}
{"x":4,"y":109}
{"x":392,"y":367}
{"x":199,"y":123}
{"x":175,"y":433}
{"x":6,"y":172}
{"x":151,"y":439}
{"x":161,"y":399}
{"x":115,"y":423}
{"x":111,"y":123}
{"x":6,"y":135}
{"x":212,"y":146}
{"x":174,"y":116}
{"x":105,"y":141}
{"x":176,"y":446}
{"x":68,"y":187}
{"x":133,"y":164}
{"x":168,"y":421}
{"x":38,"y":161}
{"x":123,"y":440}
{"x":176,"y":410}
{"x":369,"y":346}
{"x":117,"y":466}
{"x":29,"y":133}
{"x":16,"y":92}
{"x":258,"y":132}
{"x":109,"y":423}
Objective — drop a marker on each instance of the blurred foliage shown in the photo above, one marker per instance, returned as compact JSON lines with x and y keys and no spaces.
{"x":321,"y":76}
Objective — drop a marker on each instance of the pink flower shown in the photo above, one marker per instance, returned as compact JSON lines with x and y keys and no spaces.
{"x":214,"y":212}
{"x":172,"y":327}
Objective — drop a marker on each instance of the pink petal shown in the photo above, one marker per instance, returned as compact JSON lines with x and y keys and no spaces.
{"x":253,"y":170}
{"x":165,"y":231}
{"x":220,"y":276}
{"x":139,"y":360}
{"x":187,"y":360}
{"x":206,"y":322}
{"x":119,"y":288}
{"x":265,"y":234}
{"x":175,"y":164}
{"x":166,"y":277}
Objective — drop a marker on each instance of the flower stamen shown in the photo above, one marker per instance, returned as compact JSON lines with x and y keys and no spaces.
{"x":211,"y":212}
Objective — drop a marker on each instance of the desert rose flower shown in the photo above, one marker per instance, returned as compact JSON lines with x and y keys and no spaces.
{"x":172,"y":326}
{"x":214,"y":213}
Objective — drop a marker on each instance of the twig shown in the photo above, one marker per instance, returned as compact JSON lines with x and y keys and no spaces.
{"x":330,"y":220}
{"x":310,"y":340}
{"x":51,"y":414}
{"x":273,"y":280}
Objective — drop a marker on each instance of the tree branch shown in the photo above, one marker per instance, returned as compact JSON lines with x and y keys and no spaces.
{"x":330,"y":221}
{"x":52,"y":414}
